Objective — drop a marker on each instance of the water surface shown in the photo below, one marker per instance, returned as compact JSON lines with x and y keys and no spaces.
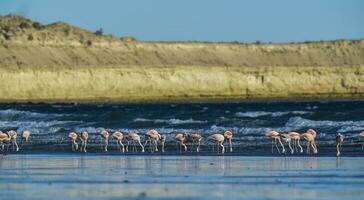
{"x":204,"y":177}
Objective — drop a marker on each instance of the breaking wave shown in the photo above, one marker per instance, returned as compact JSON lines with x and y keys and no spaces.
{"x":255,"y":114}
{"x":301,"y":122}
{"x":170,"y":121}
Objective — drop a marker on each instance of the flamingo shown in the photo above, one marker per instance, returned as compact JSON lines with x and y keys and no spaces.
{"x":13,"y":136}
{"x":310,"y":139}
{"x":274,"y":135}
{"x":118,"y":136}
{"x":219,"y":139}
{"x":105,"y":136}
{"x":181,"y":137}
{"x":152,"y":137}
{"x":4,"y":137}
{"x":339,"y":143}
{"x":84,"y":138}
{"x":288,"y":138}
{"x":24,"y":137}
{"x":229,"y":135}
{"x":312,"y":132}
{"x":296,"y":137}
{"x":362,"y":136}
{"x":195,"y":138}
{"x":135,"y":138}
{"x":73,"y":137}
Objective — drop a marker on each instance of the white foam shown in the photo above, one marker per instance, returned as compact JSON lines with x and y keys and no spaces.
{"x":170,"y":121}
{"x":301,"y":122}
{"x":254,"y":114}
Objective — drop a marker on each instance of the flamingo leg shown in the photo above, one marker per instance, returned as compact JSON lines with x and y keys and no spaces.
{"x":272,"y":146}
{"x":290,"y":147}
{"x":140,"y":144}
{"x":280,"y":142}
{"x":231,"y":145}
{"x":301,"y":149}
{"x":314,"y":149}
{"x":338,"y":149}
{"x":276,"y":144}
{"x":156,"y":145}
{"x":127,"y":145}
{"x":223,"y":148}
{"x":122,"y":146}
{"x":16,"y":145}
{"x":198,"y":147}
{"x":84,"y":148}
{"x":308,"y":147}
{"x":76,"y":145}
{"x":183,"y":144}
{"x":106,"y":144}
{"x":146,"y":142}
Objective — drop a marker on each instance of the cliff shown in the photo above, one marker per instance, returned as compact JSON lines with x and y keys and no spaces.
{"x":62,"y":63}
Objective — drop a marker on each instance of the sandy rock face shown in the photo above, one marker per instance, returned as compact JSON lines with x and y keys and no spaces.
{"x":183,"y":83}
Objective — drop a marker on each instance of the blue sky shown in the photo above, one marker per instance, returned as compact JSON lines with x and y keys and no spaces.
{"x":204,"y":20}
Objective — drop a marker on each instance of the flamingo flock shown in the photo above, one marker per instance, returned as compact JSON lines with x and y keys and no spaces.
{"x":10,"y":137}
{"x":153,"y":139}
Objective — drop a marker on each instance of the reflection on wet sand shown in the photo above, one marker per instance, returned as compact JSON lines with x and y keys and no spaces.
{"x":206,"y":177}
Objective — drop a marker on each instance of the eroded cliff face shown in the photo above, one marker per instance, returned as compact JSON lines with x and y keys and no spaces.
{"x":62,"y":63}
{"x":183,"y":83}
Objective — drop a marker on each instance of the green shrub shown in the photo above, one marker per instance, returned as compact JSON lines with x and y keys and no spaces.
{"x":99,"y":32}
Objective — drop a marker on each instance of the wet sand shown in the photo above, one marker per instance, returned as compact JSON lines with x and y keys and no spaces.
{"x":66,"y":176}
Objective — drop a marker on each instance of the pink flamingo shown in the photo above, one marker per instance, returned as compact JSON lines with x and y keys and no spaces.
{"x":275,"y":136}
{"x":24,"y":137}
{"x":105,"y":136}
{"x":13,"y":136}
{"x":219,"y":139}
{"x":229,"y":135}
{"x":152,"y":137}
{"x":181,"y":137}
{"x":195,"y":139}
{"x":312,"y":132}
{"x":73,"y":137}
{"x":339,"y":143}
{"x":84,"y":139}
{"x":4,"y":137}
{"x":296,"y":137}
{"x":135,"y":138}
{"x":118,"y":136}
{"x":288,"y":138}
{"x":310,"y":142}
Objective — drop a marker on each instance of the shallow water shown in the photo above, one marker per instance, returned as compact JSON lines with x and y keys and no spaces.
{"x":65,"y":176}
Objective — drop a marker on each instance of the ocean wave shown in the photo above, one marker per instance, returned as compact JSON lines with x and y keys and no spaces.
{"x":37,"y":127}
{"x":170,"y":121}
{"x":12,"y":114}
{"x":302,"y":122}
{"x":350,"y":129}
{"x":254,"y":114}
